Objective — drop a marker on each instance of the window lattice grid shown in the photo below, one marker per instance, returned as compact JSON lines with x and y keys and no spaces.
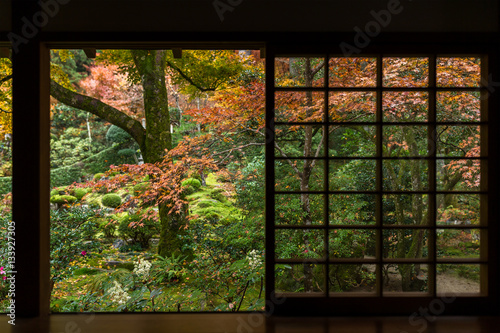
{"x":431,"y":116}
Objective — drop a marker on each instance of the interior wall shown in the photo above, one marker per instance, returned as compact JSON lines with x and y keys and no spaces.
{"x":262,"y":15}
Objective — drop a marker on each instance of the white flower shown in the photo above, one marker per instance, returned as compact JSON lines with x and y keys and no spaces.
{"x":254,"y":259}
{"x":141,"y":268}
{"x":118,"y":295}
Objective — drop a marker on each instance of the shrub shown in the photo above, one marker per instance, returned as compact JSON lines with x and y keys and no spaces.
{"x":67,"y":241}
{"x":187,"y":190}
{"x":66,"y":175}
{"x":111,"y":200}
{"x":5,"y":185}
{"x":79,"y":193}
{"x":98,"y":176}
{"x":62,"y":199}
{"x":192,"y":182}
{"x":106,"y":226}
{"x":117,"y":135}
{"x":140,"y":188}
{"x":126,"y":152}
{"x":138,"y":230}
{"x":89,"y":229}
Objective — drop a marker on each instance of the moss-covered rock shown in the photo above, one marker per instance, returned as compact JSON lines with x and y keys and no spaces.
{"x":98,"y":176}
{"x":217,"y":194}
{"x":62,"y":199}
{"x":79,"y":193}
{"x":111,"y":200}
{"x":192,"y":182}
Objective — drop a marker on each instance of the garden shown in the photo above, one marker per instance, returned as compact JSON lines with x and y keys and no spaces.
{"x":158,"y":176}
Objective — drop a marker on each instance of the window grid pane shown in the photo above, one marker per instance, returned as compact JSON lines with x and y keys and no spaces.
{"x":433,"y":132}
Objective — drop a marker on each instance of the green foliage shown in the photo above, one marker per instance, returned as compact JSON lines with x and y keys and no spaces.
{"x":140,"y":188}
{"x":136,"y":247}
{"x":98,"y":176}
{"x":217,"y":194}
{"x":126,"y":152}
{"x":191,"y":182}
{"x":168,"y":269}
{"x":138,"y":229}
{"x":72,"y":62}
{"x":62,"y":199}
{"x":5,"y":185}
{"x":67,"y":239}
{"x":117,"y":135}
{"x":188,"y":190}
{"x":107,"y":226}
{"x":79,"y":193}
{"x":65,"y":175}
{"x":111,"y":200}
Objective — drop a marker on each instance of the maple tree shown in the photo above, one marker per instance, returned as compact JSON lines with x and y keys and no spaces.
{"x":238,"y":113}
{"x":205,"y":70}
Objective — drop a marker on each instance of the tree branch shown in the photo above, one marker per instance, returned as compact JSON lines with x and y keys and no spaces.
{"x":188,"y":79}
{"x":100,"y":109}
{"x":317,"y":69}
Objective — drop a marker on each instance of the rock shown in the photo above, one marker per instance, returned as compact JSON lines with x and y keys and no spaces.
{"x":118,"y":243}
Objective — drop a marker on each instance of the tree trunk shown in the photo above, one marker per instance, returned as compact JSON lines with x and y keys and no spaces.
{"x":154,"y":141}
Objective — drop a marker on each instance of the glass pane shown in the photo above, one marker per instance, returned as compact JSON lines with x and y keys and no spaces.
{"x":352,"y":243}
{"x":458,"y":106}
{"x":353,"y":72}
{"x":458,"y":175}
{"x":290,"y":209}
{"x":405,"y":175}
{"x":405,"y":243}
{"x":458,"y":209}
{"x":352,"y":175}
{"x":299,"y":106}
{"x":352,"y":141}
{"x":458,"y":243}
{"x":454,"y":279}
{"x":299,"y":72}
{"x":351,"y":209}
{"x":355,"y":106}
{"x":405,"y":278}
{"x":458,"y":141}
{"x":405,"y":106}
{"x":299,"y":175}
{"x":458,"y":72}
{"x":405,"y":141}
{"x":299,"y":278}
{"x":405,"y":209}
{"x":299,"y":141}
{"x":359,"y":278}
{"x":405,"y":72}
{"x":299,"y":243}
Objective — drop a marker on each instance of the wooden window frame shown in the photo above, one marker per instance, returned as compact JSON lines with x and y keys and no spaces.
{"x":31,"y":171}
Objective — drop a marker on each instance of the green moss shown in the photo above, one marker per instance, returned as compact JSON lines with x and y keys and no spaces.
{"x":98,"y":176}
{"x":62,"y":199}
{"x":111,"y":200}
{"x":79,"y":193}
{"x":192,"y":182}
{"x":217,"y":194}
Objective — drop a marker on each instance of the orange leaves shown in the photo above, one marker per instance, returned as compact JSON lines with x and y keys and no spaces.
{"x":110,"y":86}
